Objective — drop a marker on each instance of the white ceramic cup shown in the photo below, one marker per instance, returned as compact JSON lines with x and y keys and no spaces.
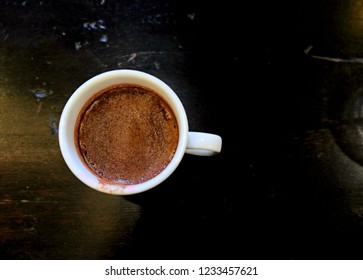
{"x":196,"y":143}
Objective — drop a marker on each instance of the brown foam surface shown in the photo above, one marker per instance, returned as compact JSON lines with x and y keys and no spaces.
{"x":127,"y":135}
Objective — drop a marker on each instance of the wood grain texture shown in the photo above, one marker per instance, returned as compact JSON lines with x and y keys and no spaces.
{"x":280,"y":82}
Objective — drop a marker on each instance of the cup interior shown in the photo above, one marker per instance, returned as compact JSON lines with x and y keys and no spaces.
{"x":75,"y":104}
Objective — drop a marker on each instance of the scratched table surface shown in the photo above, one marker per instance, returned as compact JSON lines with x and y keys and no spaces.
{"x":280,"y":81}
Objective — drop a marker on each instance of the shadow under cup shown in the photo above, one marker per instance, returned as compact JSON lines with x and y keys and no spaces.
{"x":75,"y":104}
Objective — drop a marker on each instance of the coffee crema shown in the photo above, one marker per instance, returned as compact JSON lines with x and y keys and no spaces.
{"x":126,"y":134}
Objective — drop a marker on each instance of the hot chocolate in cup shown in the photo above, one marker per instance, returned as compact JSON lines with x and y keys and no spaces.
{"x":123,"y":132}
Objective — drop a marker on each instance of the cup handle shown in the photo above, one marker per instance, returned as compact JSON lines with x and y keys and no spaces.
{"x":203,"y":144}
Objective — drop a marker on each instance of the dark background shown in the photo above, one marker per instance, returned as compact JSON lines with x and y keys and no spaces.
{"x":279,"y":81}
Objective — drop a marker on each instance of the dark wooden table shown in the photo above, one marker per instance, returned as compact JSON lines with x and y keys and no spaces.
{"x":280,"y":81}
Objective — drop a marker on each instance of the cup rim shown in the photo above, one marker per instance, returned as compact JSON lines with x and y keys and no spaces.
{"x":76,"y":101}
